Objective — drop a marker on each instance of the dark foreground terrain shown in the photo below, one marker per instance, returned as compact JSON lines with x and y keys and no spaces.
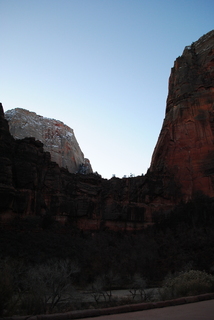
{"x":38,"y":254}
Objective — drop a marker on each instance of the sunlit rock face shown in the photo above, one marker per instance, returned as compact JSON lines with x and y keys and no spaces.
{"x":57,"y":138}
{"x":185,"y":147}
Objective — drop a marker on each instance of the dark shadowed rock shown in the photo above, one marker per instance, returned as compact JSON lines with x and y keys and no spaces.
{"x":182,"y":163}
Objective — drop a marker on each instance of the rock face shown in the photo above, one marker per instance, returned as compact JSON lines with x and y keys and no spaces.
{"x":31,"y":184}
{"x":185,"y":148}
{"x":57,"y":138}
{"x":182,"y":162}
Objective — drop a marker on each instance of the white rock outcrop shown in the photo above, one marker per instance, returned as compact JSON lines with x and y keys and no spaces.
{"x":57,"y":138}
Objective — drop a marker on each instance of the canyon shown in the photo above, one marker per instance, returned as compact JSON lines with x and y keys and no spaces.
{"x":32,"y":183}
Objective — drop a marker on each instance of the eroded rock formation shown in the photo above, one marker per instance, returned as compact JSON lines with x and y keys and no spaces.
{"x":32,"y":184}
{"x":185,"y":148}
{"x":58,"y":139}
{"x":182,"y":163}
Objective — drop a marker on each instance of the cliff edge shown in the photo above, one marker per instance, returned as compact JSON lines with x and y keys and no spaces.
{"x":57,"y":138}
{"x":185,"y":147}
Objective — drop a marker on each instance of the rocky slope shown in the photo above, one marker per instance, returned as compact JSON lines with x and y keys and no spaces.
{"x":185,"y":149}
{"x":57,"y":138}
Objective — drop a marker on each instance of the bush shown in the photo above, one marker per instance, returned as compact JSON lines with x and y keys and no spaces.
{"x":6,"y":288}
{"x":188,"y":283}
{"x":48,"y":285}
{"x":36,"y":289}
{"x":9,"y":286}
{"x":103,"y":286}
{"x":138,"y":287}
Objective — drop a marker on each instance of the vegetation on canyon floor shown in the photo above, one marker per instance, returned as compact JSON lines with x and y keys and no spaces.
{"x":47,"y":268}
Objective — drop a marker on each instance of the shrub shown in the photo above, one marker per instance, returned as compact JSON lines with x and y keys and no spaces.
{"x":188,"y":283}
{"x":9,"y":286}
{"x":103,"y":285}
{"x":48,"y":285}
{"x":95,"y":290}
{"x":138,"y":287}
{"x":6,"y":288}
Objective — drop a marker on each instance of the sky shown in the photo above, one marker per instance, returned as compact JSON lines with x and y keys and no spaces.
{"x":101,"y":67}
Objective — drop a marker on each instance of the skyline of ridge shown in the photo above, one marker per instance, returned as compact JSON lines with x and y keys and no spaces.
{"x":101,"y":68}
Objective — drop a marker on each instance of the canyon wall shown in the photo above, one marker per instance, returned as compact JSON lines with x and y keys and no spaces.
{"x":182,"y":163}
{"x":185,"y":148}
{"x":32,"y":184}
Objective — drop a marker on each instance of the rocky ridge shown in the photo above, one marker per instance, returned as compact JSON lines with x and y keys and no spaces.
{"x":57,"y":138}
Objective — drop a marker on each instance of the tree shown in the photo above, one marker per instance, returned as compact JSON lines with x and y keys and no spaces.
{"x":138,"y":287}
{"x":51,"y":283}
{"x":6,"y":287}
{"x":103,"y":285}
{"x":96,"y":289}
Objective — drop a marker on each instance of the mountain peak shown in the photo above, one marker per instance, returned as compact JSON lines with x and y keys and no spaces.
{"x":57,"y":138}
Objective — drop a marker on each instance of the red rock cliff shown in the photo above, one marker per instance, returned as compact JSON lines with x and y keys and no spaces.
{"x":185,"y":147}
{"x":182,"y":163}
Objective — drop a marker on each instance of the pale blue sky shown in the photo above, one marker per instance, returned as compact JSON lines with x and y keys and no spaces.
{"x":100,"y":66}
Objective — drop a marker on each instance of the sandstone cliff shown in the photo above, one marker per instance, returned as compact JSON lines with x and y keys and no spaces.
{"x":182,"y":162}
{"x":31,"y":184}
{"x":57,"y":138}
{"x":185,"y":149}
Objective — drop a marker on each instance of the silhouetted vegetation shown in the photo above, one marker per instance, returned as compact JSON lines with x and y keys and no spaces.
{"x":103,"y":260}
{"x":188,"y":283}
